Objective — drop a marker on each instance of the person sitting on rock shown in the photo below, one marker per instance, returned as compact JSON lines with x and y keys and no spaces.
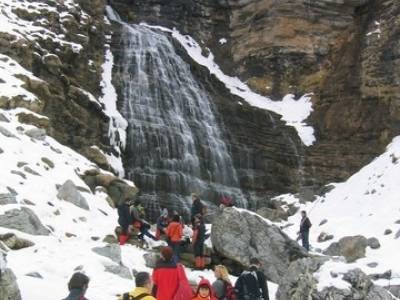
{"x":143,"y":288}
{"x":77,"y":286}
{"x":124,"y":220}
{"x":139,"y":223}
{"x":252,"y":284}
{"x":199,"y":236}
{"x":175,"y":233}
{"x":304,"y":232}
{"x":222,"y":286}
{"x":204,"y":291}
{"x":165,"y":276}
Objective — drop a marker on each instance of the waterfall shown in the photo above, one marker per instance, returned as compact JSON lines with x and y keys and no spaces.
{"x":175,"y":145}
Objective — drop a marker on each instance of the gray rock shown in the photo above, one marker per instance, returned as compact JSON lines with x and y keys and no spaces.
{"x":234,"y":236}
{"x":110,"y":239}
{"x":14,"y":242}
{"x":323,"y":237}
{"x":31,"y":171}
{"x":299,"y":283}
{"x":8,"y":286}
{"x":119,"y":270}
{"x":19,"y":173}
{"x":21,"y":164}
{"x":373,"y":243}
{"x":24,"y":220}
{"x":385,"y":275}
{"x":324,"y":221}
{"x":48,"y":162}
{"x":151,"y":259}
{"x":69,"y":192}
{"x":387,"y":232}
{"x":6,"y":132}
{"x":397,"y":235}
{"x":1,"y":151}
{"x":3,"y":118}
{"x":351,"y":247}
{"x":7,"y":199}
{"x":372,"y":265}
{"x":274,"y":215}
{"x":394,"y":289}
{"x":112,"y":251}
{"x":34,"y":275}
{"x":36,"y":133}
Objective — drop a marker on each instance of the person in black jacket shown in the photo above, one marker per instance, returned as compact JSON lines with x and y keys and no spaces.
{"x":197,"y":207}
{"x":304,"y":232}
{"x":199,"y":237}
{"x":252,"y":284}
{"x":124,"y":220}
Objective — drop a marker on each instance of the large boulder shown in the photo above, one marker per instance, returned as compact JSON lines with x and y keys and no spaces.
{"x":8,"y":285}
{"x":300,"y":283}
{"x":69,"y":192}
{"x":24,"y":220}
{"x":240,"y":235}
{"x":351,"y":247}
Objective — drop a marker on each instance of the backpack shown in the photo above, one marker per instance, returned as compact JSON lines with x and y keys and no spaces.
{"x":184,"y":291}
{"x":251,"y":286}
{"x":127,"y":296}
{"x":230,"y":291}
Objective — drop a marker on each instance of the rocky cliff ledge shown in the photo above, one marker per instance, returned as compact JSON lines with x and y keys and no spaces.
{"x":342,"y":51}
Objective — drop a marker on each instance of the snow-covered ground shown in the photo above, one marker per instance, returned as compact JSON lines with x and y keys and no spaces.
{"x":367,"y":204}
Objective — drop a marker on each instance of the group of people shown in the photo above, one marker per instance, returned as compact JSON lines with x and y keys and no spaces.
{"x":169,"y":227}
{"x":169,"y":282}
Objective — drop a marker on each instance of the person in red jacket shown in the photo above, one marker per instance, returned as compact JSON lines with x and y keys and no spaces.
{"x":175,"y":233}
{"x":165,"y":276}
{"x":204,"y":291}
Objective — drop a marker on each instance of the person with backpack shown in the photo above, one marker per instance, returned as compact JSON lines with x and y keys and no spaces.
{"x":199,"y":236}
{"x":304,"y":232}
{"x":174,"y":234}
{"x":77,"y":286}
{"x":222,"y":286}
{"x":252,"y":284}
{"x":143,"y":288}
{"x":165,"y":276}
{"x":204,"y":291}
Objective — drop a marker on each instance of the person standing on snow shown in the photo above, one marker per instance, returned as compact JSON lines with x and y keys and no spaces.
{"x":304,"y":232}
{"x":252,"y":284}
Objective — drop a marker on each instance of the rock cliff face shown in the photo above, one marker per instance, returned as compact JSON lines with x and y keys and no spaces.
{"x":342,"y":51}
{"x":64,"y":49}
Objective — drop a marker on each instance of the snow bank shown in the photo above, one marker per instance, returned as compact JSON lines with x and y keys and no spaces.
{"x":366,"y":204}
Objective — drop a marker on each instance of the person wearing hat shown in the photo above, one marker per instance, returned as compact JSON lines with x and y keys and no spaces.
{"x":165,"y":276}
{"x":143,"y":288}
{"x":204,"y":291}
{"x":198,"y":207}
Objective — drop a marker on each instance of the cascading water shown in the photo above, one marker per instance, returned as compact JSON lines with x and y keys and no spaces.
{"x":175,"y":146}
